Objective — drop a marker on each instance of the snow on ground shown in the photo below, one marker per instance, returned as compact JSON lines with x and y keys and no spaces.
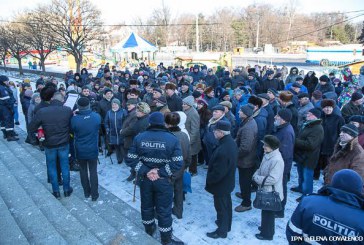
{"x":199,"y":214}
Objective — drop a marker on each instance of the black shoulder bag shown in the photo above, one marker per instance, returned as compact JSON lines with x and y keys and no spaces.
{"x":267,"y":200}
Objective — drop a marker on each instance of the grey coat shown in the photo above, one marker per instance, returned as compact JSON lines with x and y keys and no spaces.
{"x":273,"y":166}
{"x":193,"y":129}
{"x":246,"y":140}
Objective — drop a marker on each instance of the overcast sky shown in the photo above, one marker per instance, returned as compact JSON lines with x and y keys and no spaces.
{"x":116,"y":11}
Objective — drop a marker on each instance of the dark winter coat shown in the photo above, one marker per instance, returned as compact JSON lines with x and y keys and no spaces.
{"x":328,"y":87}
{"x":270,"y":119}
{"x":113,"y":124}
{"x":85,"y":127}
{"x":291,"y":78}
{"x":310,"y":82}
{"x":155,"y":148}
{"x":192,"y":126}
{"x":211,"y":102}
{"x":220,"y":179}
{"x":174,"y":103}
{"x":260,"y":118}
{"x":263,"y":86}
{"x":212,"y":81}
{"x":55,"y":120}
{"x":185,"y":147}
{"x":302,"y":113}
{"x":246,"y":140}
{"x":104,"y":107}
{"x":235,"y":80}
{"x":128,"y":132}
{"x":139,"y":125}
{"x":348,"y":157}
{"x":308,"y":143}
{"x":275,"y":106}
{"x":335,"y":209}
{"x":286,"y":136}
{"x":294,"y":120}
{"x":331,"y":124}
{"x":209,"y":139}
{"x":196,"y":76}
{"x":350,"y":109}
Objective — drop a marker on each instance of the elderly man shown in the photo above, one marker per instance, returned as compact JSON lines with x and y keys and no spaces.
{"x":220,"y":180}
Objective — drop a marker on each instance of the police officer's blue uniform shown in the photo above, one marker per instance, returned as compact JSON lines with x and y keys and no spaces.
{"x":156,"y":148}
{"x":7,"y":102}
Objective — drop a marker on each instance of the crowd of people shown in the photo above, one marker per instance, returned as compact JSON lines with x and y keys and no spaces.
{"x":165,"y":122}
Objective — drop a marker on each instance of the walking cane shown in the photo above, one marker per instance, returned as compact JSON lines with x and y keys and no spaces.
{"x":112,"y":162}
{"x":135,"y":184}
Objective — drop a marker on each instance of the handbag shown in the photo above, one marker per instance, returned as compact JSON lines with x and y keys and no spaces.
{"x":267,"y":200}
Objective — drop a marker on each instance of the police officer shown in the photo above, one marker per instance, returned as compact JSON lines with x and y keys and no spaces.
{"x":156,"y":155}
{"x":334,"y":215}
{"x":7,"y":102}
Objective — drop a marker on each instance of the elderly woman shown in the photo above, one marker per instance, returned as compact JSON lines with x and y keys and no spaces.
{"x":272,"y":166}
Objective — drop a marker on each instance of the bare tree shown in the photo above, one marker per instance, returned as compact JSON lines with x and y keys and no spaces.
{"x":12,"y":36}
{"x":4,"y":48}
{"x":37,"y":35}
{"x":76,"y":25}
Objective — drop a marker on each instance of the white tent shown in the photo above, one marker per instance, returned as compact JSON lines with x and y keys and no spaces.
{"x":134,"y":43}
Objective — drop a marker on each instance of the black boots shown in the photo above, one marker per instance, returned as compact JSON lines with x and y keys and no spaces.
{"x":68,"y":193}
{"x":11,"y":136}
{"x":150,"y":229}
{"x":170,"y":241}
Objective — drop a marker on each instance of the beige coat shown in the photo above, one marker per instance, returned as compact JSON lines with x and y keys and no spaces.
{"x":272,"y":165}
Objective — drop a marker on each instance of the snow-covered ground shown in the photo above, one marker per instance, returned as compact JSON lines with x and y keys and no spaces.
{"x":199,"y":214}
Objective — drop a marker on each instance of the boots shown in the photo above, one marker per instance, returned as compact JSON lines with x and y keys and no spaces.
{"x":150,"y":229}
{"x":170,"y":241}
{"x":11,"y":136}
{"x":4,"y":133}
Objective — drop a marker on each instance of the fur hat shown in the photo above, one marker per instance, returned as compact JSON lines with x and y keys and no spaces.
{"x":208,"y":90}
{"x":143,"y":107}
{"x":285,"y":96}
{"x":189,"y":100}
{"x":285,"y":114}
{"x":254,"y":100}
{"x":201,"y":86}
{"x":350,"y":129}
{"x":158,"y":90}
{"x":227,"y":104}
{"x":171,"y":86}
{"x":324,"y":78}
{"x":134,"y":91}
{"x":107,"y":90}
{"x":83,"y":103}
{"x":272,"y":141}
{"x":156,"y":118}
{"x":328,"y":102}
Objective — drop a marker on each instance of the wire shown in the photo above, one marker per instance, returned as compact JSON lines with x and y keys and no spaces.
{"x":320,"y":29}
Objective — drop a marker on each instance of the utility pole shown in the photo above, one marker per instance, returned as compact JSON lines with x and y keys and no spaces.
{"x":197,"y":36}
{"x":257,"y":39}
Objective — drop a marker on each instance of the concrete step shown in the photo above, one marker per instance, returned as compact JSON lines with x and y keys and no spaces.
{"x":10,"y":231}
{"x":62,"y":220}
{"x":111,"y":209}
{"x":32,"y":222}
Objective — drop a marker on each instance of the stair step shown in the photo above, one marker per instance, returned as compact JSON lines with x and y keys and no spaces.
{"x":34,"y":225}
{"x":66,"y":225}
{"x":10,"y":231}
{"x":110,"y":208}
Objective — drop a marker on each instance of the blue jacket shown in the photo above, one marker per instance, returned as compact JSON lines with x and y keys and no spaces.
{"x":155,"y":148}
{"x":85,"y":127}
{"x":113,"y":125}
{"x":286,"y":136}
{"x":6,"y":96}
{"x":332,"y":213}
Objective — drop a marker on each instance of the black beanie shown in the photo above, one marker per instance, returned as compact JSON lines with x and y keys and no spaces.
{"x":350,"y":129}
{"x":83,"y":103}
{"x":316,"y":112}
{"x":285,"y":114}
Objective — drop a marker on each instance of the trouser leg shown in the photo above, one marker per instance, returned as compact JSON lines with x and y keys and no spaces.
{"x":267,"y":224}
